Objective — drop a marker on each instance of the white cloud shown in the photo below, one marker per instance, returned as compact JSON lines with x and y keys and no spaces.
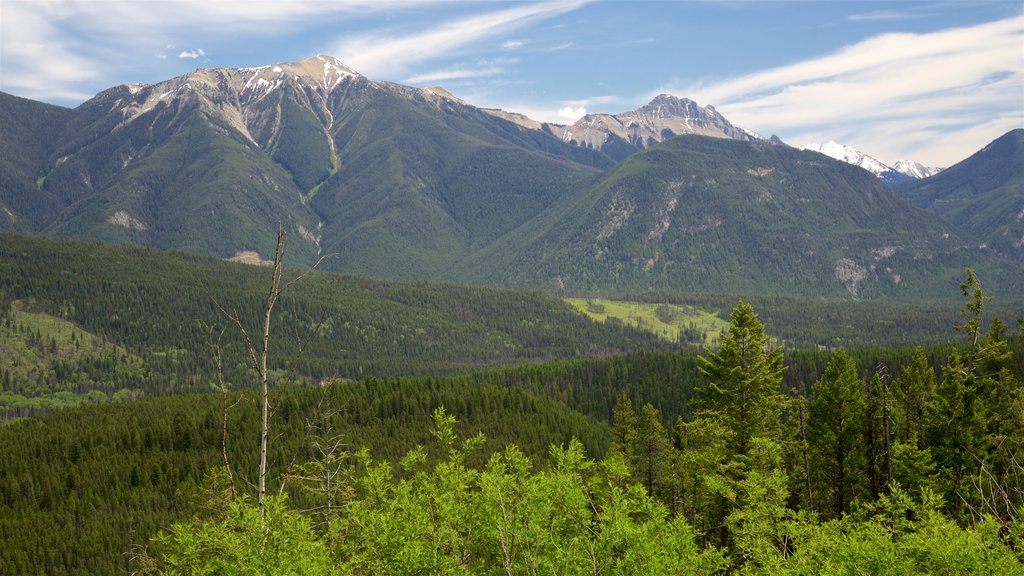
{"x":512,"y":45}
{"x":380,"y":54}
{"x":193,"y":54}
{"x":937,"y":85}
{"x":885,"y":15}
{"x":49,"y":48}
{"x":570,"y":114}
{"x":37,"y":60}
{"x":454,"y":74}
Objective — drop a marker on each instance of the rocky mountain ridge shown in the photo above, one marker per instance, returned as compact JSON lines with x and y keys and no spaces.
{"x":413,"y":183}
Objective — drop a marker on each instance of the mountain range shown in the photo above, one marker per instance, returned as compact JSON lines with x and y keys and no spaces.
{"x":983,"y":195}
{"x":413,"y":183}
{"x":901,"y":172}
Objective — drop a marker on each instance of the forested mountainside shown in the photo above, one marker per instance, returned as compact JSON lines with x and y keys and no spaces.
{"x":86,"y":322}
{"x":409,"y":183}
{"x":715,"y":215}
{"x":138,"y":319}
{"x":982,"y":195}
{"x":400,"y":182}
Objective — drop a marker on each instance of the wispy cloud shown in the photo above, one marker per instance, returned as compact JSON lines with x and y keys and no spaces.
{"x":888,"y":95}
{"x":478,"y":69}
{"x":384,"y":54}
{"x":512,"y":45}
{"x":38,"y":60}
{"x":61,"y":50}
{"x":193,"y":54}
{"x":885,"y":15}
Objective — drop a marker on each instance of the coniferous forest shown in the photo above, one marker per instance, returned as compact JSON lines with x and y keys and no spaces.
{"x":131,"y":443}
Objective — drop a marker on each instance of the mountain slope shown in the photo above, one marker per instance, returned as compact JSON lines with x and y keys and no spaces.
{"x":706,"y":214}
{"x":901,"y":172}
{"x":620,"y":135}
{"x":210,"y":161}
{"x":27,"y":126}
{"x":983,"y":196}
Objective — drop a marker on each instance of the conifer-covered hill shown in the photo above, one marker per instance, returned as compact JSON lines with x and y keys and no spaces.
{"x":159,"y":308}
{"x":707,"y":214}
{"x":83,"y":490}
{"x":982,"y":196}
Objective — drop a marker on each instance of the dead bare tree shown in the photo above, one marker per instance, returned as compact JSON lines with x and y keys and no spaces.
{"x":259,"y":360}
{"x":221,"y":385}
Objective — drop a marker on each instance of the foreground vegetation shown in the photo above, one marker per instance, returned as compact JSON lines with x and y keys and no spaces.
{"x":756,"y":462}
{"x":894,"y":476}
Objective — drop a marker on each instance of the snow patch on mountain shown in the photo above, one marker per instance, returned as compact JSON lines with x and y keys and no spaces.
{"x":900,"y":172}
{"x":915,"y":169}
{"x":850,"y":155}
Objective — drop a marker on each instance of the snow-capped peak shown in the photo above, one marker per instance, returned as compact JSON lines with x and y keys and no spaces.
{"x":850,"y":155}
{"x":902,"y":171}
{"x":915,"y":169}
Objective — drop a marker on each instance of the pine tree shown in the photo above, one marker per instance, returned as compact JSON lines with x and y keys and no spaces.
{"x":743,"y":378}
{"x":835,"y":425}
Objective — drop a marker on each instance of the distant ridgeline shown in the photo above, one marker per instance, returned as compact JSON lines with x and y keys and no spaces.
{"x":415,"y":184}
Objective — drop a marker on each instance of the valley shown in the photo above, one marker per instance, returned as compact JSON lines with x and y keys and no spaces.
{"x":651,"y":339}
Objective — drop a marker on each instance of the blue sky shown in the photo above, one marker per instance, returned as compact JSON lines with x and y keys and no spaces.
{"x":928,"y":81}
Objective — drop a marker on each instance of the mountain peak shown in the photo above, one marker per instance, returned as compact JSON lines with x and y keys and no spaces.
{"x":902,"y":171}
{"x":321,"y":70}
{"x":663,"y":117}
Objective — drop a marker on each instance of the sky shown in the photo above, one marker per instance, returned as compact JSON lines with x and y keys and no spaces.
{"x":931,"y":81}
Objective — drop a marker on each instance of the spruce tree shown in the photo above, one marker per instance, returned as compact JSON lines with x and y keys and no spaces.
{"x":743,"y":378}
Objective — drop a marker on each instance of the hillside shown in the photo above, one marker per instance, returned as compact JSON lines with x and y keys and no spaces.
{"x":710,"y":214}
{"x":982,"y":196}
{"x":82,"y":489}
{"x":143,"y":320}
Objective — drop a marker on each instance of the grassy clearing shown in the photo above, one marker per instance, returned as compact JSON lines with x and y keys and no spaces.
{"x":673,"y":322}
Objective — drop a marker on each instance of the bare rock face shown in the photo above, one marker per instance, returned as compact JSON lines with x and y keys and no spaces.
{"x":665,"y":116}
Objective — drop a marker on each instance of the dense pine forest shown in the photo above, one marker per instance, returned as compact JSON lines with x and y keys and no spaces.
{"x":746,"y":457}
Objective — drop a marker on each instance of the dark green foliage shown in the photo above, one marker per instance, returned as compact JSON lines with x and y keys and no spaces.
{"x":744,"y":376}
{"x":156,"y":308}
{"x":836,"y":417}
{"x":80,"y":487}
{"x":983,"y":196}
{"x":716,"y":215}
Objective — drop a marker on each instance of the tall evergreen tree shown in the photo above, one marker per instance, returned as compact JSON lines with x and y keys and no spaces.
{"x":743,"y":378}
{"x":835,"y":425}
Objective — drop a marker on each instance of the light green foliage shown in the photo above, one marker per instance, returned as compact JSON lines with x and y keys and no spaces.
{"x":280,"y":542}
{"x":757,"y":520}
{"x":682,"y":323}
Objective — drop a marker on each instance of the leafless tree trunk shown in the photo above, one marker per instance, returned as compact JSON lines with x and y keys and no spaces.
{"x":275,"y":293}
{"x":218,"y":357}
{"x":259,"y":361}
